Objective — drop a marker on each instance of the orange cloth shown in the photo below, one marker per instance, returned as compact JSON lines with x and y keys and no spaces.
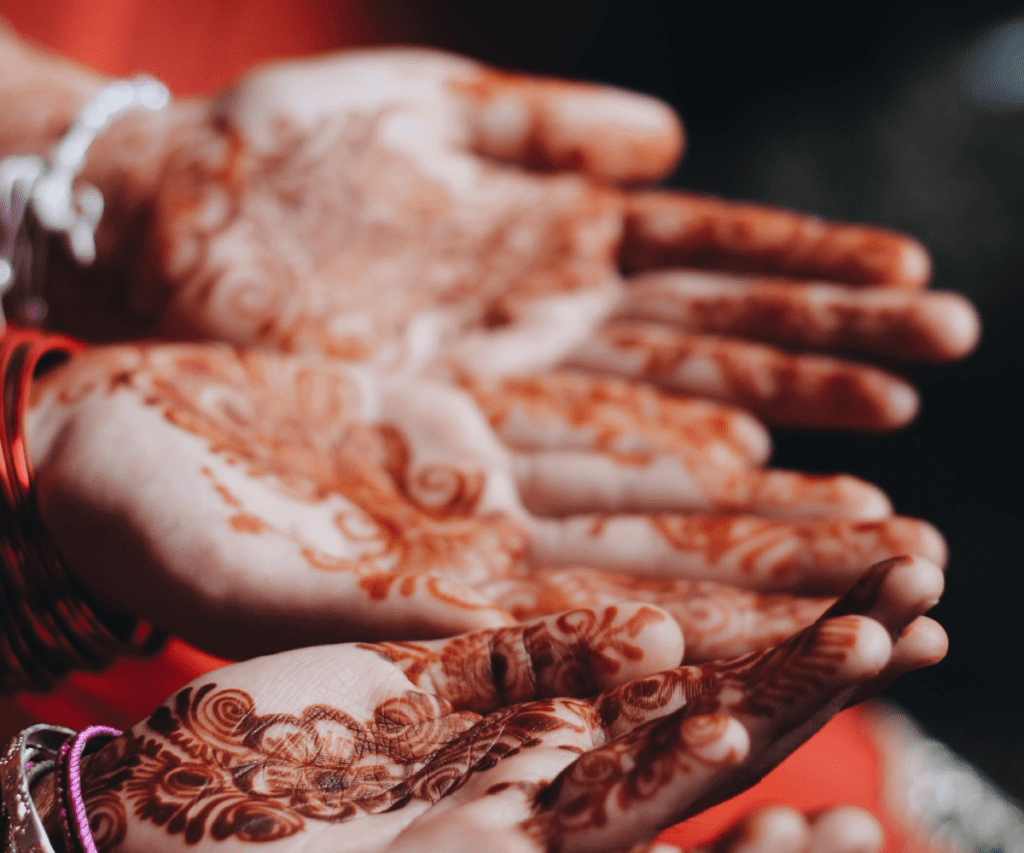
{"x":196,"y":47}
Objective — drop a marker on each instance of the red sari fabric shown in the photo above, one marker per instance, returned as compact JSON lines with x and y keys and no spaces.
{"x":197,"y":47}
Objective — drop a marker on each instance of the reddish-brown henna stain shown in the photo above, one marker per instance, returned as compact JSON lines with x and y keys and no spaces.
{"x":800,"y":315}
{"x":497,"y":668}
{"x":629,"y":421}
{"x":784,"y":388}
{"x":665,"y":230}
{"x":243,"y":522}
{"x":718,"y":621}
{"x":382,"y":244}
{"x":297,"y":430}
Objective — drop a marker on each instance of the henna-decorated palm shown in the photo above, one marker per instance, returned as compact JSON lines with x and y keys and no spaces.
{"x":414,"y":207}
{"x":557,"y":735}
{"x":250,"y":501}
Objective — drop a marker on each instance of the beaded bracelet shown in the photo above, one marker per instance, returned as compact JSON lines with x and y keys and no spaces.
{"x":32,"y":754}
{"x":47,"y":626}
{"x":74,"y":821}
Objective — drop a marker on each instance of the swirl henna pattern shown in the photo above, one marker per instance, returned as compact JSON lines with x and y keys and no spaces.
{"x":323,"y":493}
{"x":513,"y":721}
{"x":450,"y":215}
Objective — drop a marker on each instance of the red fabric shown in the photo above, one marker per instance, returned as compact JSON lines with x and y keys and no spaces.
{"x":194,"y":46}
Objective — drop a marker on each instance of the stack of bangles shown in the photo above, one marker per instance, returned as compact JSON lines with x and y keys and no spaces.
{"x":47,"y":627}
{"x":33,"y":755}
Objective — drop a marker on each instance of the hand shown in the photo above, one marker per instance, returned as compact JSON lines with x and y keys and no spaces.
{"x":494,"y":740}
{"x":251,"y":501}
{"x":412,"y":208}
{"x":399,"y":205}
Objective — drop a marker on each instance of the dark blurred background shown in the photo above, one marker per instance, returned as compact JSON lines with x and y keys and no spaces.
{"x":905,"y":114}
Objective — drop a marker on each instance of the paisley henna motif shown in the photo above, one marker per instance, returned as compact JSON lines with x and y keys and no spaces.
{"x":572,"y":656}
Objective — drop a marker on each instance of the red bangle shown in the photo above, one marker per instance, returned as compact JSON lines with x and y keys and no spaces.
{"x":47,"y":627}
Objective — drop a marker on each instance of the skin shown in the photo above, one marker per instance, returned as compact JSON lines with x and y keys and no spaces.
{"x":293,"y":500}
{"x":564,"y":734}
{"x":417,"y":209}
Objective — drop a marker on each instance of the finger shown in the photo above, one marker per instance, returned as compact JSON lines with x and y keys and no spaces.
{"x":571,"y":483}
{"x":676,"y":229}
{"x":773,"y":829}
{"x":758,"y":553}
{"x":608,"y":133}
{"x":785,"y":694}
{"x":576,"y":653}
{"x":783,"y":388}
{"x":630,"y":789}
{"x":564,"y":410}
{"x":880,"y":321}
{"x":890,"y":589}
{"x":922,"y":643}
{"x":846,"y":829}
{"x":717,"y":621}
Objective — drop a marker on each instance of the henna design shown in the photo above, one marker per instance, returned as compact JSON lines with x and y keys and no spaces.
{"x":802,"y":315}
{"x":803,"y":389}
{"x":626,"y":774}
{"x":357,"y":262}
{"x":665,"y":230}
{"x":298,"y":428}
{"x":718,"y":621}
{"x":207,"y":765}
{"x":573,"y":656}
{"x":626,"y":420}
{"x":813,"y":557}
{"x":761,"y":684}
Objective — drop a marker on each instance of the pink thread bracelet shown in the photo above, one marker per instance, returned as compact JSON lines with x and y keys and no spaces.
{"x":69,"y":786}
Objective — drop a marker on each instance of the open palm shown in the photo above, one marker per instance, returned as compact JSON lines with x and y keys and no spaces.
{"x":416,"y":208}
{"x":556,"y":735}
{"x":250,"y":501}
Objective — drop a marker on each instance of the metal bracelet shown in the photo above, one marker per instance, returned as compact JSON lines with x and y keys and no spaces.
{"x":47,"y":188}
{"x":32,"y":754}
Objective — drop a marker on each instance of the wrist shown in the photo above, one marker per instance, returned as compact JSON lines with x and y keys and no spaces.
{"x":126,"y":163}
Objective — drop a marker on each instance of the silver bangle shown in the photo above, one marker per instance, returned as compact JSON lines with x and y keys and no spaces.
{"x":47,"y":188}
{"x":31,"y":754}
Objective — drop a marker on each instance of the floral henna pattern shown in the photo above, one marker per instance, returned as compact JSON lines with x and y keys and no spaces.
{"x":625,"y":775}
{"x":813,"y":558}
{"x":208,"y":765}
{"x":674,"y":230}
{"x":802,"y":389}
{"x":886,"y":322}
{"x":762,"y":684}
